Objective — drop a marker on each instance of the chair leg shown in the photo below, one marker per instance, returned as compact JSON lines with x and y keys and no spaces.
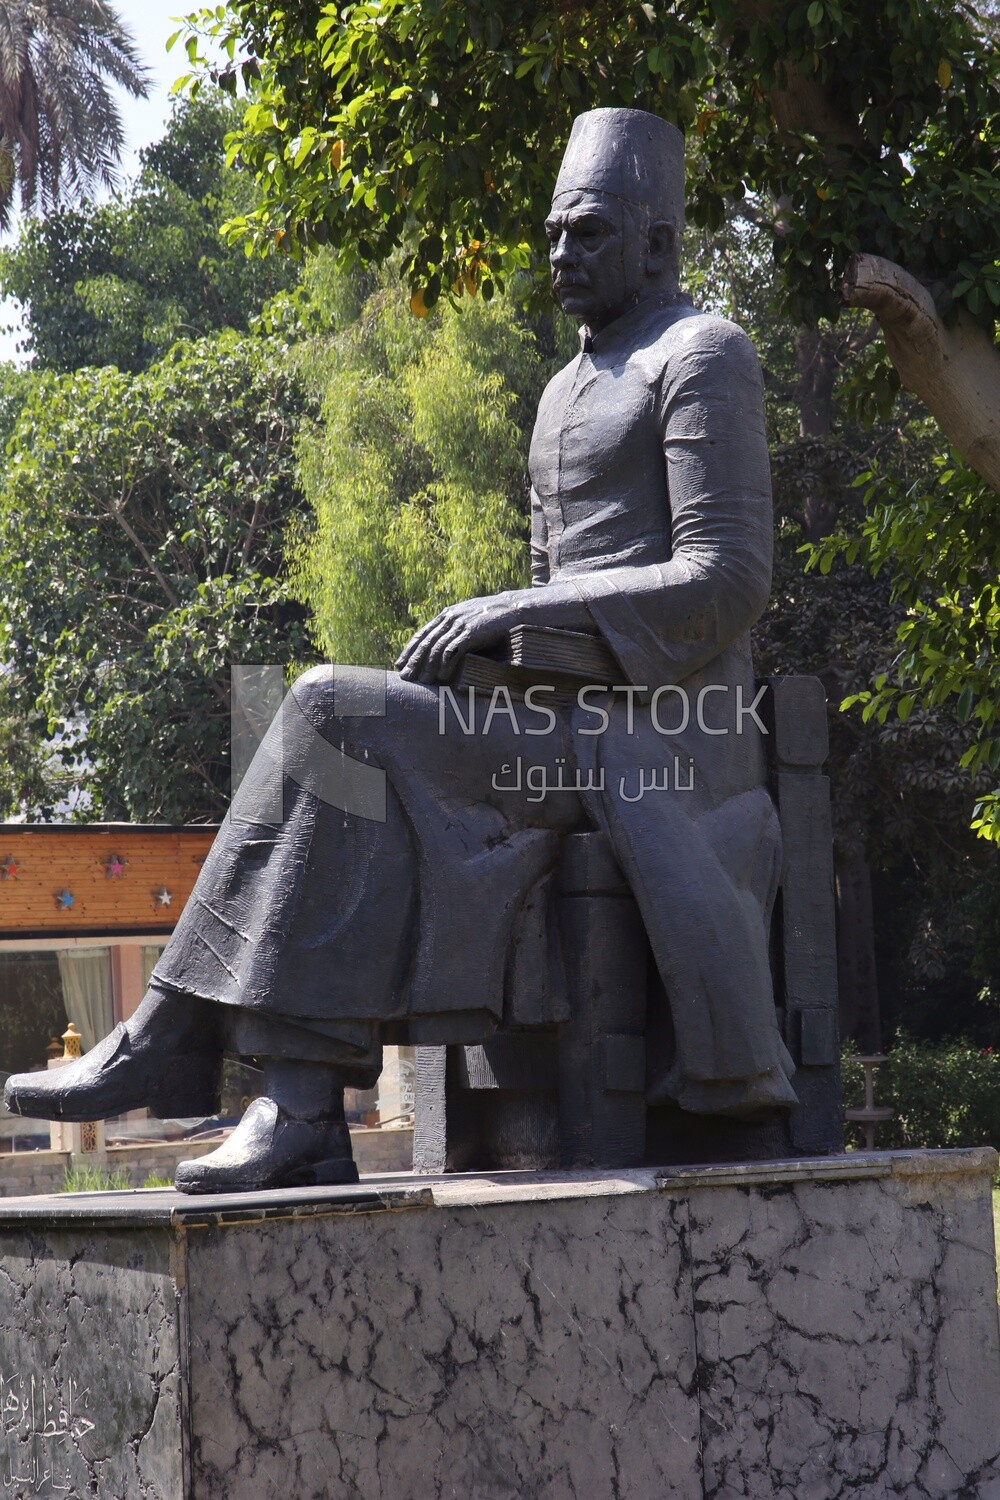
{"x":602,"y":1107}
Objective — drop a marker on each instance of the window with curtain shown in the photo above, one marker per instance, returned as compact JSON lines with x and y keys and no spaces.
{"x":88,"y":995}
{"x":150,"y":955}
{"x":31,"y":1009}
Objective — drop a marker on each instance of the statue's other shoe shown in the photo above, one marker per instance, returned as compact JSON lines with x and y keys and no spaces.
{"x":271,"y":1148}
{"x":116,"y":1076}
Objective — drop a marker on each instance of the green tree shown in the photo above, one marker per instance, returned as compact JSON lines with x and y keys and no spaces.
{"x":118,"y":283}
{"x":415,"y":468}
{"x":142,"y":527}
{"x":60,"y":124}
{"x":936,"y":538}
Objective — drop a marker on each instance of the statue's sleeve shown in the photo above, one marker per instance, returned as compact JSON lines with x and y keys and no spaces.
{"x":539,"y":543}
{"x":665,"y":621}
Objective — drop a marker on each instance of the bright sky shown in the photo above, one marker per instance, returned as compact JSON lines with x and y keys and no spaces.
{"x":151,"y":22}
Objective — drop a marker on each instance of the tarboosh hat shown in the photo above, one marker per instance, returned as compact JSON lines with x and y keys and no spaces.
{"x":628,"y":154}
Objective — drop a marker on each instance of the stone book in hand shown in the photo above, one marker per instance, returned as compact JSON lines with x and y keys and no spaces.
{"x":540,"y":654}
{"x":571,"y":653}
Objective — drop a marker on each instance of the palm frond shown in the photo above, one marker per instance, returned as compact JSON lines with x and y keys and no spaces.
{"x":59,"y":118}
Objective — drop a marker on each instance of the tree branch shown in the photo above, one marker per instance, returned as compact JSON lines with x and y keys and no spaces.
{"x":116,"y":512}
{"x":954,"y":371}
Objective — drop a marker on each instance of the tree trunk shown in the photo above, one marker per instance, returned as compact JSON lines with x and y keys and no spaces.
{"x":954,"y":371}
{"x":817,"y":361}
{"x":816,"y":356}
{"x":817,"y":374}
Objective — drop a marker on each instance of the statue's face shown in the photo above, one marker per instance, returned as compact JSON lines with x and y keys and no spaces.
{"x":597,"y":252}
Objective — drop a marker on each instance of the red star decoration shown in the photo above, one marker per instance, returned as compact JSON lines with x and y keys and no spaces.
{"x":9,"y":868}
{"x":114,"y":868}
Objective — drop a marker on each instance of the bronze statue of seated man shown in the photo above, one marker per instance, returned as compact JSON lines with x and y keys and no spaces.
{"x":405,"y":908}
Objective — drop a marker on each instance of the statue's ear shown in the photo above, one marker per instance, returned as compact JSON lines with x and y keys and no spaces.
{"x":661,"y":251}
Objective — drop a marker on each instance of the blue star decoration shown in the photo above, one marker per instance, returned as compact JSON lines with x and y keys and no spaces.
{"x":65,"y":900}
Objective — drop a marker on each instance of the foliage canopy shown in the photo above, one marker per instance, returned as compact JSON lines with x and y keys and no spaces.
{"x":415,"y":467}
{"x":389,"y":122}
{"x":938,"y":541}
{"x":142,"y":524}
{"x":118,"y":283}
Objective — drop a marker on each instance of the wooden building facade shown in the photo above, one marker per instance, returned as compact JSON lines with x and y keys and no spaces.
{"x":85,"y":911}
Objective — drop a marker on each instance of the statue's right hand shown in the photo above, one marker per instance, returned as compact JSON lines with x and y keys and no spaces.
{"x":435,"y":651}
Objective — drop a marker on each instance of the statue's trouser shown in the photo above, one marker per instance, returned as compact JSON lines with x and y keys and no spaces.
{"x":375,"y":845}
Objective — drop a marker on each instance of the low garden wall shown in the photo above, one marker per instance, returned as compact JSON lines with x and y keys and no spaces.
{"x":27,"y":1172}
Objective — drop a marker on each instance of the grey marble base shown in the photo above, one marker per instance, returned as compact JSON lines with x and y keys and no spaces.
{"x":792,"y":1331}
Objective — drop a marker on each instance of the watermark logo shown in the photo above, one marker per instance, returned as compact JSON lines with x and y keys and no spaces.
{"x":273,"y":738}
{"x":538,"y":780}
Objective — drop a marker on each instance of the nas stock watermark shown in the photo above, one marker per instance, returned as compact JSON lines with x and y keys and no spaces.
{"x":264,"y":716}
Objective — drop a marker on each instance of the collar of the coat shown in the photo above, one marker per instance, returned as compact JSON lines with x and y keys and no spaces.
{"x":623,"y":328}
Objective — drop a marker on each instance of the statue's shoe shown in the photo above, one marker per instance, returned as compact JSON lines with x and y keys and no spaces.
{"x":114,"y":1077}
{"x":272,"y":1149}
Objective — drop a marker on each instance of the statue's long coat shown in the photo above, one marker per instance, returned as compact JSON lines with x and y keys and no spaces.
{"x":431,"y":915}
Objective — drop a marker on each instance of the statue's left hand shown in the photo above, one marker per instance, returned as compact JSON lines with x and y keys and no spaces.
{"x":435,"y":651}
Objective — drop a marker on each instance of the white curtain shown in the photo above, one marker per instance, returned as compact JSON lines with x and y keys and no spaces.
{"x":150,"y":956}
{"x":87,"y":991}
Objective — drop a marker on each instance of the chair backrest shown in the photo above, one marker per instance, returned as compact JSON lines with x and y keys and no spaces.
{"x":805,"y":965}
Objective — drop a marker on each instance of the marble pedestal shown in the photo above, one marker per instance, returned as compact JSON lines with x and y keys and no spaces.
{"x":799,"y":1330}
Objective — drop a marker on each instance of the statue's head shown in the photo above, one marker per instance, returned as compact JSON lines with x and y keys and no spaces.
{"x":617,"y":214}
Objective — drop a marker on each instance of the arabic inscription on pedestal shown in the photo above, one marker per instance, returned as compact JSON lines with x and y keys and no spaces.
{"x":43,"y":1425}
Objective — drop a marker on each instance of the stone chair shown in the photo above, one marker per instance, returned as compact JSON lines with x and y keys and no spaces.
{"x":574,"y":1096}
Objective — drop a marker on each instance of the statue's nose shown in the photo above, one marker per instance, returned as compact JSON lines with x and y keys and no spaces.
{"x":562,"y":251}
